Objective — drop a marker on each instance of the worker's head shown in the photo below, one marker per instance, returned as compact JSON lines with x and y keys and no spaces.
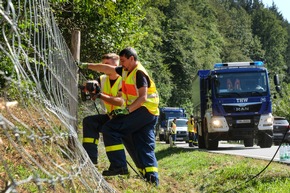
{"x":111,"y":59}
{"x":191,"y":116}
{"x":128,"y":58}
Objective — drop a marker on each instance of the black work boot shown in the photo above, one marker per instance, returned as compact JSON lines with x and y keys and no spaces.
{"x":152,"y":179}
{"x":115,"y":171}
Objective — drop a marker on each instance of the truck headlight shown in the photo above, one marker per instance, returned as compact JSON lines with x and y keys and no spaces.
{"x":268,"y":121}
{"x":216,"y":123}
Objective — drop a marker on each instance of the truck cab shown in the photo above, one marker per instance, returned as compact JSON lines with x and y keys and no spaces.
{"x":234,"y":103}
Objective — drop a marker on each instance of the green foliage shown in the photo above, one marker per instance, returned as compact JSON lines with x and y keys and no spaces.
{"x":281,"y":104}
{"x":273,"y":37}
{"x":174,"y":40}
{"x":235,"y":24}
{"x":6,"y":67}
{"x":106,"y":26}
{"x":191,"y":42}
{"x":150,"y":49}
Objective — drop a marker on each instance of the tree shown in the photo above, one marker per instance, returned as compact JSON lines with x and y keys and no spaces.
{"x":106,"y":26}
{"x":191,"y":42}
{"x":174,"y":40}
{"x":150,"y":48}
{"x":273,"y":38}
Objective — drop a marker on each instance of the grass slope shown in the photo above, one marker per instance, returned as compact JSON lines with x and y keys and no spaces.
{"x":190,"y":170}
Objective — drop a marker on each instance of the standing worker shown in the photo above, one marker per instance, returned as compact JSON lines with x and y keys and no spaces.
{"x":190,"y":129}
{"x":110,"y":94}
{"x":138,"y":118}
{"x":173,"y":132}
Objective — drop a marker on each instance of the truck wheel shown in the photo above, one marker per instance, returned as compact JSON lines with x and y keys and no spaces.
{"x":265,"y":139}
{"x":210,"y":144}
{"x":249,"y":142}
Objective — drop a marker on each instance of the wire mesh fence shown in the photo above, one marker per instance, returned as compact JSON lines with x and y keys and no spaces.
{"x":39,"y":141}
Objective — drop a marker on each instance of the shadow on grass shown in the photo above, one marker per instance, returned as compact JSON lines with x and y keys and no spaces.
{"x":173,"y":150}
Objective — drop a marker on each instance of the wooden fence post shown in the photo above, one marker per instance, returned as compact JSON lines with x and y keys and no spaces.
{"x":75,"y":49}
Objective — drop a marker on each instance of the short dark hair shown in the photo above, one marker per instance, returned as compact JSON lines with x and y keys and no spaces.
{"x":128,"y":52}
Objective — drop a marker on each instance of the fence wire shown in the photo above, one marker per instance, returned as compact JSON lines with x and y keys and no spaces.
{"x":39,"y":106}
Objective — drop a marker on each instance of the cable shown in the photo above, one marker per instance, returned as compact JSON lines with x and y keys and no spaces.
{"x":96,"y":108}
{"x":138,"y":174}
{"x":243,"y":184}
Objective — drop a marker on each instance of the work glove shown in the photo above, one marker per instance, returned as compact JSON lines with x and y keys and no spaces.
{"x":119,"y":112}
{"x":83,"y":65}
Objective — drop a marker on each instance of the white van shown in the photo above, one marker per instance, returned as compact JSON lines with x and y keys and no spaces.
{"x":181,"y":129}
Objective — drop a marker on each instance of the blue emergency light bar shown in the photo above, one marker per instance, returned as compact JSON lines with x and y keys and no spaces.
{"x":239,"y":64}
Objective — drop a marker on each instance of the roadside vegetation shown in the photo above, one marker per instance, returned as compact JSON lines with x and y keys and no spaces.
{"x":174,"y":40}
{"x":194,"y":170}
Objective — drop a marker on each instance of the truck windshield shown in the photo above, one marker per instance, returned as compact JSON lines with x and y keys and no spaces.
{"x":230,"y":85}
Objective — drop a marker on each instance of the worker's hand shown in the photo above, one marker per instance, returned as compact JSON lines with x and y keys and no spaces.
{"x":83,"y":65}
{"x":118,"y":112}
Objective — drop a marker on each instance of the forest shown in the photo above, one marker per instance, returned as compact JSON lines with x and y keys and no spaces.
{"x":174,"y":39}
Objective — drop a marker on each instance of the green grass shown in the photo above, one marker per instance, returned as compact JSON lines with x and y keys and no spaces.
{"x":191,"y":170}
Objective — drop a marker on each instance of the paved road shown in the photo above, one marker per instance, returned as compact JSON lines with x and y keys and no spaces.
{"x":241,"y":150}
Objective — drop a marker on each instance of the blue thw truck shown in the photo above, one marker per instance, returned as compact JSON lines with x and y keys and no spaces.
{"x":165,"y":114}
{"x":233,"y":102}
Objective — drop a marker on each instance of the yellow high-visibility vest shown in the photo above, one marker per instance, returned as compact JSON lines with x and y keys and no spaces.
{"x":173,"y":127}
{"x":130,"y":90}
{"x":190,"y":125}
{"x":111,"y":90}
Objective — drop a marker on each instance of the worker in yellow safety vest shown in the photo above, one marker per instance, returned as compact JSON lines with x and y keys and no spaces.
{"x":190,"y":130}
{"x":173,"y":131}
{"x":110,"y":94}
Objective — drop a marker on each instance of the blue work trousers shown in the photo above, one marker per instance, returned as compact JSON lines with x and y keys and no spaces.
{"x":92,"y":126}
{"x":139,"y":125}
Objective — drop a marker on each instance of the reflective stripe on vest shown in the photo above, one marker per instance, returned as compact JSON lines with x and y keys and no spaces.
{"x":110,"y":90}
{"x":130,"y":90}
{"x":90,"y":140}
{"x":114,"y":147}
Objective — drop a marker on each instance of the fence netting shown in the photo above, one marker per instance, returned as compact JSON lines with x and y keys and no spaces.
{"x":40,"y":149}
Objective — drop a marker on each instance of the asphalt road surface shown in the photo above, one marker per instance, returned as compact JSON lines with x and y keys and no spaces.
{"x":240,"y":150}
